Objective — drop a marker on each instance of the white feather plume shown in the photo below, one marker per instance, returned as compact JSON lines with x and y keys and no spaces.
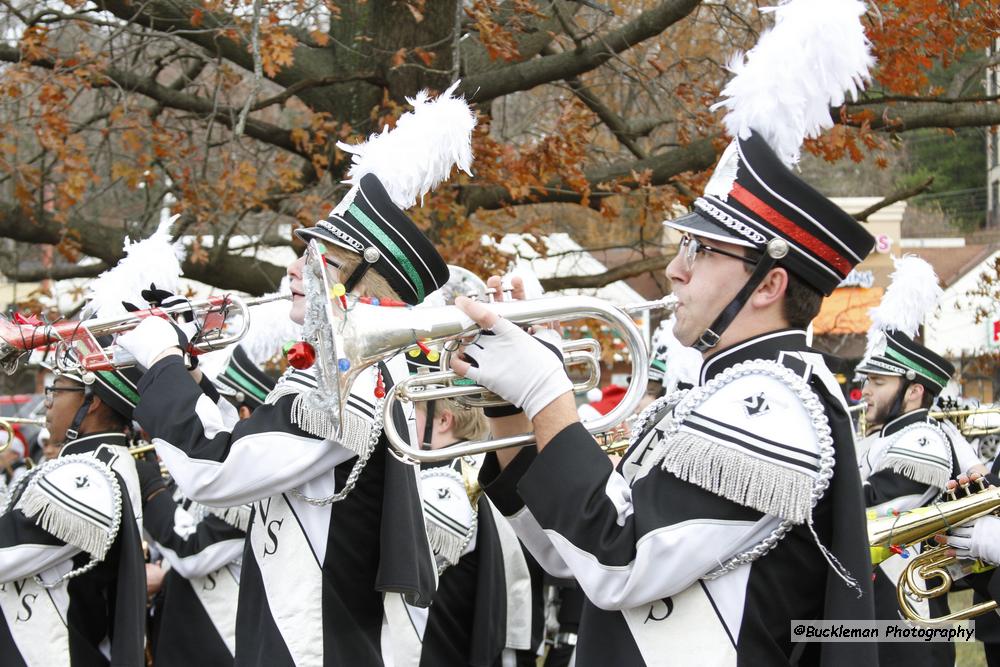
{"x":153,"y":260}
{"x":912,"y":295}
{"x":683,"y":363}
{"x":419,"y":153}
{"x":784,"y":87}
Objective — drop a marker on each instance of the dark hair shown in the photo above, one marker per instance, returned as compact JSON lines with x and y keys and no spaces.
{"x":928,"y":398}
{"x":802,"y":301}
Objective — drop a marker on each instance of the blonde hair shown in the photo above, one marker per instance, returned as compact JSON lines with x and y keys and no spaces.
{"x":373,"y":284}
{"x":467,"y":423}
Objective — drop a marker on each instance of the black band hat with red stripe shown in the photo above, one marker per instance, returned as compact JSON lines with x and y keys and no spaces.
{"x":899,"y":355}
{"x":386,"y":239}
{"x":753,"y":198}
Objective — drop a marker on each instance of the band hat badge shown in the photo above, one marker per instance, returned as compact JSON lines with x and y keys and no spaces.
{"x":913,"y":293}
{"x":389,"y":173}
{"x":772,"y":104}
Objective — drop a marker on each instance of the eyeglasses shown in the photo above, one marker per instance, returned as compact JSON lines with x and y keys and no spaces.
{"x":690,"y":247}
{"x":51,"y":390}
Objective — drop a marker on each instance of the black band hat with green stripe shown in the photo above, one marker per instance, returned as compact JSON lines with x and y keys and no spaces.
{"x":899,"y":355}
{"x":387,"y":240}
{"x":117,"y":389}
{"x":246,"y":383}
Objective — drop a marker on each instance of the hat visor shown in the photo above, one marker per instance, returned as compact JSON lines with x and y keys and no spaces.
{"x":697,"y":224}
{"x":868,"y":368}
{"x":307,"y":234}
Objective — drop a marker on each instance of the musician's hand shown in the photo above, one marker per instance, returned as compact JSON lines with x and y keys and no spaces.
{"x":154,"y":579}
{"x":154,"y":338}
{"x":161,"y":298}
{"x":978,"y":539}
{"x":510,"y":362}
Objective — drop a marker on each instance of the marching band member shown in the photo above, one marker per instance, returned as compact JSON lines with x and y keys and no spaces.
{"x":738,"y":506}
{"x":13,"y":460}
{"x":72,"y":578}
{"x":195,"y":612}
{"x":910,"y":458}
{"x":483,"y":613}
{"x":737,"y":509}
{"x":337,"y":538}
{"x":338,"y":523}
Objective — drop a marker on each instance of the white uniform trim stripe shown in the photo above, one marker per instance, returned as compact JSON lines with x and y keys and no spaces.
{"x":831,"y":237}
{"x":389,"y":226}
{"x":750,"y":445}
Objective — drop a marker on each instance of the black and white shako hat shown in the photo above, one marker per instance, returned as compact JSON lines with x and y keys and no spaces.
{"x":895,"y":353}
{"x":752,"y":199}
{"x":387,"y":240}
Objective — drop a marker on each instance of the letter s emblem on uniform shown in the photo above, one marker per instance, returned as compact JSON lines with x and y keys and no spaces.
{"x":666,"y":609}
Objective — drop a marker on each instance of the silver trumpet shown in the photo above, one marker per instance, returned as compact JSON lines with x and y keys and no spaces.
{"x":348,"y":342}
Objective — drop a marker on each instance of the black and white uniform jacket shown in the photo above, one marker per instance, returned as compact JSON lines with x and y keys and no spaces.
{"x":717,"y":528}
{"x":483,"y":612}
{"x":906,"y":465}
{"x":313,"y":575}
{"x":10,"y":477}
{"x":72,"y":577}
{"x":202,"y":549}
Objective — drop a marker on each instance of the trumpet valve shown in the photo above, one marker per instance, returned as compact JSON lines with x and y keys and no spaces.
{"x":982,"y":483}
{"x":951,"y":494}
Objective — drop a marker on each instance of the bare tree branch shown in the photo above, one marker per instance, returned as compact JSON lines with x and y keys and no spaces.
{"x":35,"y":272}
{"x":696,"y":156}
{"x":610,"y":119}
{"x":862,"y":216}
{"x":226,"y":271}
{"x":480,"y":87}
{"x":657,"y":263}
{"x":903,"y":116}
{"x":174,"y":99}
{"x":212,"y":34}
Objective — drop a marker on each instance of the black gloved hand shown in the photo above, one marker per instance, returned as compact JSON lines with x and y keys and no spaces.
{"x":151,"y":481}
{"x":161,"y":298}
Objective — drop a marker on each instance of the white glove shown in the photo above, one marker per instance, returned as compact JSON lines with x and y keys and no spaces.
{"x":152,"y":337}
{"x":518,"y":368}
{"x":979,"y":539}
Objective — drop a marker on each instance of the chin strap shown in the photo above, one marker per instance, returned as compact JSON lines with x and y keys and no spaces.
{"x":368,"y":259}
{"x":73,"y":432}
{"x":775,"y":250}
{"x":425,"y":441}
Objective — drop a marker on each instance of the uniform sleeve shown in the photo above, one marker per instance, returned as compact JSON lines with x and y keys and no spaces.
{"x":26,"y":549}
{"x":225,"y":466}
{"x":193,"y":548}
{"x":887,"y":489}
{"x":627,"y":545}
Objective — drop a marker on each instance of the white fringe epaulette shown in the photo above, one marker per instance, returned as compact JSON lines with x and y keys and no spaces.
{"x":77,"y":499}
{"x":757,"y":435}
{"x":920,"y":452}
{"x":450,"y":517}
{"x":354,"y":432}
{"x":238,"y":517}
